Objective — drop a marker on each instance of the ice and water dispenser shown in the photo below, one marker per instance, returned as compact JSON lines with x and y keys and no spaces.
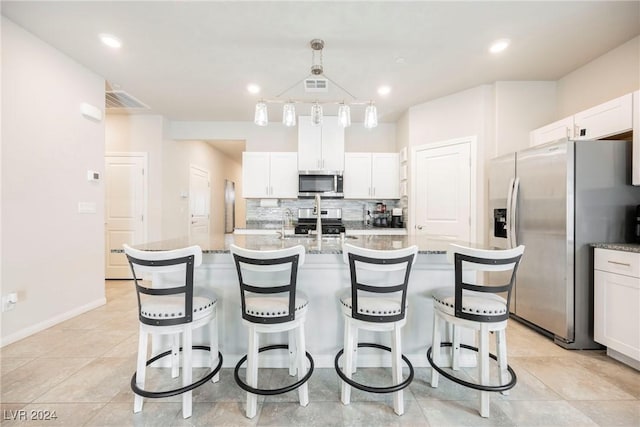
{"x":500,"y":223}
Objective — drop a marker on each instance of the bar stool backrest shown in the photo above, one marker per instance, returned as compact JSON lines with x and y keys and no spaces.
{"x":268,"y":273}
{"x":379,"y":273}
{"x":176,"y":267}
{"x":480,"y":261}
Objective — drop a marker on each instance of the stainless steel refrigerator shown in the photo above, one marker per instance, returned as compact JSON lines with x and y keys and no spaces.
{"x":556,"y":199}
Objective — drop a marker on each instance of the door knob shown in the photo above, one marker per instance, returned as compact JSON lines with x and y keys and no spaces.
{"x":419,"y":227}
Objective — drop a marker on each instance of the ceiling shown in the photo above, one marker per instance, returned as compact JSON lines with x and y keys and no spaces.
{"x":192,"y":60}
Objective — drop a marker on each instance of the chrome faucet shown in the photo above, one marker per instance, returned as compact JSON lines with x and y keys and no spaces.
{"x":287,"y":215}
{"x":319,"y":217}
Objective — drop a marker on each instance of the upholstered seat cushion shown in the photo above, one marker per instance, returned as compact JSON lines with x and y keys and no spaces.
{"x":264,"y":306}
{"x":171,"y":307}
{"x":485,"y":304}
{"x":371,"y":305}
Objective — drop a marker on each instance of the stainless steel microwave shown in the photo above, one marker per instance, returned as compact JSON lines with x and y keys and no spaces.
{"x":328,"y":184}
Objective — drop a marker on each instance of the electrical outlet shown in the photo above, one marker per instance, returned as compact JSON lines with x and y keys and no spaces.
{"x":9,"y":301}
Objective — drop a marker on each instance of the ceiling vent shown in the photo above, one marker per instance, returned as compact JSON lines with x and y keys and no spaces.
{"x":121,"y":100}
{"x":316,"y":85}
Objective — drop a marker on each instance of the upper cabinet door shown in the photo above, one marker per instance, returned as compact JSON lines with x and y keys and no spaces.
{"x":309,"y":145}
{"x":255,"y":174}
{"x":385,"y":175}
{"x":611,"y":118}
{"x":332,"y":144}
{"x":320,"y":147}
{"x":284,"y":175}
{"x":552,"y":132}
{"x":357,"y":176}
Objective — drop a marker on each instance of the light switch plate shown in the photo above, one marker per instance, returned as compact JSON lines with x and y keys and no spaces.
{"x":87,"y":207}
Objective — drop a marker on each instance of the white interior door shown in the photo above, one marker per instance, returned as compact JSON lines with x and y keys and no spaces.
{"x":199,"y":201}
{"x":443,"y":191}
{"x":125,"y":208}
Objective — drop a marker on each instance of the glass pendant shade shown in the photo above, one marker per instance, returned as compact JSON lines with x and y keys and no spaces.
{"x":344,"y":115}
{"x":261,"y":117}
{"x":316,"y":114}
{"x":370,"y":116}
{"x":289,"y":114}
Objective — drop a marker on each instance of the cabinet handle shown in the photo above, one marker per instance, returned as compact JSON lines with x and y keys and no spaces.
{"x":619,"y":263}
{"x":266,"y":190}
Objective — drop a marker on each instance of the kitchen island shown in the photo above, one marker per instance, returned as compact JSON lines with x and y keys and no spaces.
{"x":323,"y":278}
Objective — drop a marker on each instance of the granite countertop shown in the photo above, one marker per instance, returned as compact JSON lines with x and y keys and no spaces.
{"x":349,"y":225}
{"x":220,"y":243}
{"x":624,"y":247}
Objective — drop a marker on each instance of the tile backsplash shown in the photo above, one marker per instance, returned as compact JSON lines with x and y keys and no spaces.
{"x":352,"y":210}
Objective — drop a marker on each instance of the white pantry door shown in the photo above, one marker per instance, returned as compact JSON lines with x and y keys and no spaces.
{"x":125,"y":208}
{"x":199,"y":202}
{"x":442,"y":191}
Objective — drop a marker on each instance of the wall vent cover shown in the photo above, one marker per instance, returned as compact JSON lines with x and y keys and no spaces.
{"x":121,"y":100}
{"x":316,"y":85}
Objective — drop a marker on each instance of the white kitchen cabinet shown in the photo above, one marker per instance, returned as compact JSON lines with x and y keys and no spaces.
{"x":371,"y":176}
{"x":270,"y":175}
{"x":320,"y":147}
{"x":552,"y":132}
{"x":636,"y":138}
{"x":602,"y":121}
{"x":617,"y":302}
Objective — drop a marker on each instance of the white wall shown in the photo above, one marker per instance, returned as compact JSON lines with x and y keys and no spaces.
{"x":381,"y":139}
{"x":276,"y":137}
{"x":178,"y":158}
{"x":612,"y":75}
{"x":520,"y":107}
{"x":144,"y":134}
{"x":467,"y":113}
{"x":52,"y":256}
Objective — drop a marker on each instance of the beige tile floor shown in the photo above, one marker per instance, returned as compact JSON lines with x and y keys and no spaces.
{"x":81,"y":370}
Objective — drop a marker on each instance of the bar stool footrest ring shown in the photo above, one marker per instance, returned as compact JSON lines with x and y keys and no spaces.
{"x":274,"y":391}
{"x":159,"y":394}
{"x":475,"y":386}
{"x":371,"y":389}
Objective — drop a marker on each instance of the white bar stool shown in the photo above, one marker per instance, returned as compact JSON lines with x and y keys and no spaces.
{"x":479,"y":307}
{"x":377,"y":301}
{"x":271,"y":303}
{"x":167,"y":305}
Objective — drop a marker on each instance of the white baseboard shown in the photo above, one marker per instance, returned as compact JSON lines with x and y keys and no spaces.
{"x":38,"y":327}
{"x":629,"y":361}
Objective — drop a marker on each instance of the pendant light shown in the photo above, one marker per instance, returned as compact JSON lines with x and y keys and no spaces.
{"x":344,"y":115}
{"x":317,"y":81}
{"x":289,"y":114}
{"x":370,"y":116}
{"x":316,"y":114}
{"x":261,"y":117}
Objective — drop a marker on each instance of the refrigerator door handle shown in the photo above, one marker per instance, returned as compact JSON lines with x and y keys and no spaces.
{"x":508,"y":219}
{"x":512,"y":208}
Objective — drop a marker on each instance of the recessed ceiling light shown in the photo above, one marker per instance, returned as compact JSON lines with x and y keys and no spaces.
{"x":384,"y":90}
{"x":400,"y":60}
{"x":253,"y":88}
{"x":111,"y":41}
{"x":499,"y":45}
